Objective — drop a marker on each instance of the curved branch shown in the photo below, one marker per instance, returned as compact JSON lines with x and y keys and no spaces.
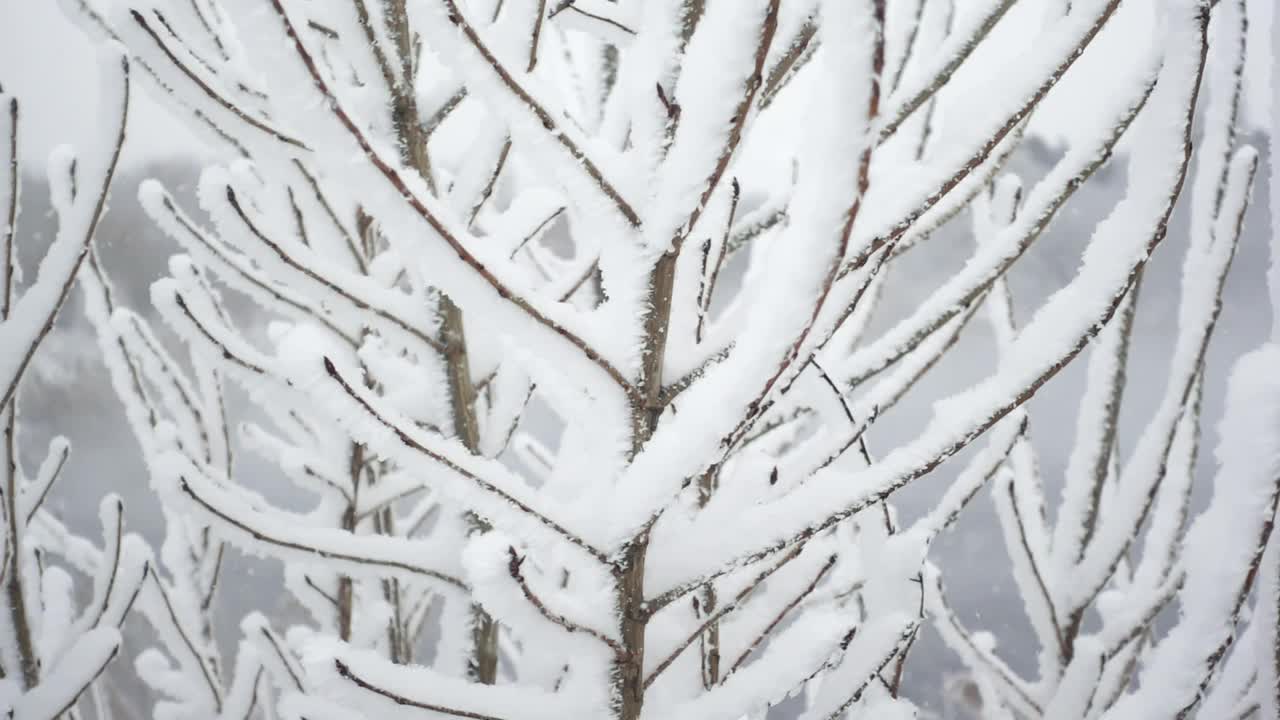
{"x":341,"y":290}
{"x":215,"y":509}
{"x":1012,"y":686}
{"x":513,"y":567}
{"x":58,"y":270}
{"x":206,"y":89}
{"x":171,"y":614}
{"x":209,"y":337}
{"x":345,"y":672}
{"x":229,"y":266}
{"x":50,"y":470}
{"x":608,"y":24}
{"x":440,"y":458}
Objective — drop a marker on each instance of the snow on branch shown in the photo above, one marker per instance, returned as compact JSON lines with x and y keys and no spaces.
{"x":83,"y":188}
{"x":53,"y":649}
{"x":574,"y":329}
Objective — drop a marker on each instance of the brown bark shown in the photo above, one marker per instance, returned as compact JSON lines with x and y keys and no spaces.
{"x":629,"y":684}
{"x":345,"y":589}
{"x":483,"y":665}
{"x":9,"y":449}
{"x":14,"y":590}
{"x":711,"y":638}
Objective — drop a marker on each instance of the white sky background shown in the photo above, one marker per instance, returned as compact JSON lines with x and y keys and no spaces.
{"x":49,"y":64}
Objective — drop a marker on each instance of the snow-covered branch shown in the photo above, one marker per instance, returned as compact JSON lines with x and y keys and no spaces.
{"x":575,"y":325}
{"x":53,"y":652}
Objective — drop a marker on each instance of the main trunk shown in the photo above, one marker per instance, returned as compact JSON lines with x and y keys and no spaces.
{"x":483,"y":664}
{"x":629,"y":685}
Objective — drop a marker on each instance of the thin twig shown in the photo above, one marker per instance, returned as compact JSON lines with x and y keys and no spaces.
{"x":402,"y":701}
{"x":264,"y":537}
{"x":48,"y":485}
{"x":200,"y":660}
{"x":533,"y":234}
{"x":781,"y":614}
{"x":537,"y":34}
{"x":513,"y":567}
{"x":490,"y":183}
{"x":611,"y":22}
{"x":944,"y":75}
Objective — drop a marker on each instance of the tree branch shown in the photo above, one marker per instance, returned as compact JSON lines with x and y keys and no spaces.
{"x":513,"y":567}
{"x":484,"y":485}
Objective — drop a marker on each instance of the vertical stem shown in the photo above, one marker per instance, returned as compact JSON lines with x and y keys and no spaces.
{"x":1107,"y":452}
{"x":345,"y":587}
{"x":608,"y":76}
{"x":462,"y":400}
{"x":711,"y":639}
{"x":404,"y":106}
{"x":711,"y":645}
{"x":10,"y":213}
{"x":629,"y":683}
{"x":692,"y":13}
{"x":462,"y":394}
{"x":14,"y":589}
{"x":629,"y":574}
{"x":655,"y":331}
{"x":397,"y":640}
{"x":537,"y":34}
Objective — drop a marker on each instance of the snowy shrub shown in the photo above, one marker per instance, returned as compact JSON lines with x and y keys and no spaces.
{"x":51,"y":651}
{"x":572,"y":351}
